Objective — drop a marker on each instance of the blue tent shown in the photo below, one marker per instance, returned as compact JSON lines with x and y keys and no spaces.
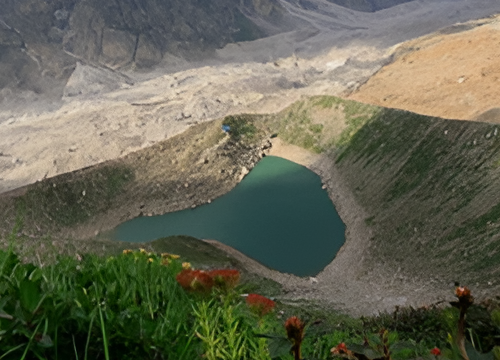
{"x":226,"y":128}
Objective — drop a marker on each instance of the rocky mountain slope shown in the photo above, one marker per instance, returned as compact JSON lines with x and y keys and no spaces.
{"x":106,"y":113}
{"x":452,"y":74}
{"x":40,"y":41}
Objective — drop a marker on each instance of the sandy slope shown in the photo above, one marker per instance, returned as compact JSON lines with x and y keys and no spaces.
{"x":453,"y":76}
{"x":332,"y":51}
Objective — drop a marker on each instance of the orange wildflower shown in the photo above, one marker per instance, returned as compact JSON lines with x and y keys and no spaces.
{"x":259,"y":304}
{"x":465,"y":299}
{"x":295,"y":333}
{"x":195,"y":280}
{"x":225,"y":278}
{"x":462,"y":291}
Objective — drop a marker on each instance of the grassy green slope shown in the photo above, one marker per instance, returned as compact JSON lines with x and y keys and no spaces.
{"x":429,"y":185}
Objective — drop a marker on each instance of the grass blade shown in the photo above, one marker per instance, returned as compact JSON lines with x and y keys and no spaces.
{"x":104,"y":339}
{"x":88,"y":336}
{"x":29,"y":343}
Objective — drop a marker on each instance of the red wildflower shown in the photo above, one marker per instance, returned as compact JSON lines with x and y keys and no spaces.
{"x":436,"y":351}
{"x":197,"y":280}
{"x":225,"y":278}
{"x":342,"y":348}
{"x":259,"y":304}
{"x":295,"y":333}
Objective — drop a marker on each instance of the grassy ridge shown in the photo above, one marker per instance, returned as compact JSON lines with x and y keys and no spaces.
{"x":429,"y":185}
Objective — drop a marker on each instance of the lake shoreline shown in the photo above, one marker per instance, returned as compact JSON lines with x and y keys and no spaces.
{"x":346,"y":283}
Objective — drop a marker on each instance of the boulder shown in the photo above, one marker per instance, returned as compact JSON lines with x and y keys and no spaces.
{"x":147,"y":53}
{"x":118,"y":48}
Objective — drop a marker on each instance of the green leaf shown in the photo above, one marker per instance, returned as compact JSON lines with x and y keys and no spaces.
{"x":360,"y":349}
{"x":403,"y":345}
{"x":372,"y":354}
{"x":495,"y":316}
{"x":279,"y":347}
{"x":30,"y":295}
{"x":45,"y":341}
{"x":473,"y":354}
{"x":364,"y":350}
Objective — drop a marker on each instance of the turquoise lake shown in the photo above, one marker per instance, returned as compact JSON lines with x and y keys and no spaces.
{"x":278,"y":215}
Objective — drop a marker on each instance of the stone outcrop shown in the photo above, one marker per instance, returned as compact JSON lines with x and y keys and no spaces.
{"x":41,"y":41}
{"x":89,"y":80}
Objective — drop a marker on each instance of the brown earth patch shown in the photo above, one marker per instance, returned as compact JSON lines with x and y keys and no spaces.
{"x":454,"y":75}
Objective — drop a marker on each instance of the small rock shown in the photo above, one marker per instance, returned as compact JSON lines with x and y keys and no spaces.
{"x":324,"y":187}
{"x":244,"y":172}
{"x":186,"y":185}
{"x":150,"y":214}
{"x":15,"y":160}
{"x":193,"y":206}
{"x":446,"y":132}
{"x":54,"y":185}
{"x":461,"y":79}
{"x":490,"y":283}
{"x":83,"y":193}
{"x":73,"y":148}
{"x":96,"y":233}
{"x":11,"y":121}
{"x":209,"y":201}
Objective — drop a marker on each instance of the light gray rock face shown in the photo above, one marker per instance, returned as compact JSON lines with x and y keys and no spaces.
{"x":41,"y":41}
{"x":89,"y":80}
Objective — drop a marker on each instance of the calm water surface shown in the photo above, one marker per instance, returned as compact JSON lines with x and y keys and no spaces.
{"x":278,"y":215}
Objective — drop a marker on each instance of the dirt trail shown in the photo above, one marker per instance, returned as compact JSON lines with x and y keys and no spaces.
{"x":453,"y":76}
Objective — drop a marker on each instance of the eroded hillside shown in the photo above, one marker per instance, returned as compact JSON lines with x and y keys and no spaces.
{"x":41,"y":41}
{"x":452,"y":74}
